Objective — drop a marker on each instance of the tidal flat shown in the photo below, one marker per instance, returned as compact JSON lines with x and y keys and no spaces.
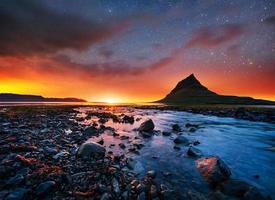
{"x":136,"y":152}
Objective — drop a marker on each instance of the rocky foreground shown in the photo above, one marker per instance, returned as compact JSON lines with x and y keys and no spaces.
{"x":44,"y":153}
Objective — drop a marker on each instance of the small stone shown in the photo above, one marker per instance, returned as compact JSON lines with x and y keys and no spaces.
{"x":115,"y":185}
{"x":90,"y":131}
{"x":17,"y":194}
{"x":15,"y":180}
{"x":121,"y":145}
{"x":192,"y":130}
{"x":192,"y":151}
{"x":181,"y":140}
{"x":153,"y":191}
{"x":176,"y":127}
{"x":176,"y":148}
{"x":91,"y":149}
{"x":134,"y":182}
{"x":165,"y":133}
{"x":44,"y":188}
{"x":151,"y":174}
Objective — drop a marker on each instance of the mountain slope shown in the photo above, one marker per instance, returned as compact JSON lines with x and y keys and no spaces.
{"x":9,"y":97}
{"x":191,"y":91}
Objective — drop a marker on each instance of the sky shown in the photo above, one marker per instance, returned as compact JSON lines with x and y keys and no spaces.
{"x":136,"y":51}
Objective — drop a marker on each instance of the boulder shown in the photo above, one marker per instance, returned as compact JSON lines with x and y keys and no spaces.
{"x":181,"y":140}
{"x":147,"y":126}
{"x":91,"y":149}
{"x":213,"y":169}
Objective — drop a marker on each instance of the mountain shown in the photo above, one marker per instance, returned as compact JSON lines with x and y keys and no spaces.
{"x":9,"y":97}
{"x":191,"y":91}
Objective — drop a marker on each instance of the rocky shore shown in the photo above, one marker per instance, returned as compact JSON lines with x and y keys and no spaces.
{"x":253,"y":113}
{"x":45,"y":153}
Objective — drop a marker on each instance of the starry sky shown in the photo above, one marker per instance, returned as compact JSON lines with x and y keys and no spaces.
{"x":134,"y":51}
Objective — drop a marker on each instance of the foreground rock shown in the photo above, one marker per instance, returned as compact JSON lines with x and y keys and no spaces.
{"x":147,"y":126}
{"x":213,"y":169}
{"x":91,"y":149}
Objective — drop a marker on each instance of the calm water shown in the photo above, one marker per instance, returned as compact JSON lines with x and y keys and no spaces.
{"x":246,"y":147}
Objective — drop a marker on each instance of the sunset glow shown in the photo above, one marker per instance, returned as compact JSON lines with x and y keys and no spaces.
{"x":132,"y":53}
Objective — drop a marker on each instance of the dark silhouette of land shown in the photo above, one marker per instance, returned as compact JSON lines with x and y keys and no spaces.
{"x":9,"y":97}
{"x":191,"y":91}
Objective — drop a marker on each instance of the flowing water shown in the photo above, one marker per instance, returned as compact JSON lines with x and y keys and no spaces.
{"x":248,"y":148}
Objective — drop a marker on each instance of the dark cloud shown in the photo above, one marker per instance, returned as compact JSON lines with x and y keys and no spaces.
{"x":105,"y":52}
{"x":115,"y":68}
{"x":270,"y":20}
{"x":213,"y":36}
{"x":28,"y":28}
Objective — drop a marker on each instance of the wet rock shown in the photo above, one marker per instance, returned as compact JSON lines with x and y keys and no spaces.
{"x":15,"y":180}
{"x":128,"y":119}
{"x":147,"y":126}
{"x":61,"y":154}
{"x":101,"y":142}
{"x":176,"y":127}
{"x":197,"y":142}
{"x":115,"y":185}
{"x":153,"y":191}
{"x":90,"y":131}
{"x":91,"y":149}
{"x":141,"y":196}
{"x":44,"y":188}
{"x":192,"y":130}
{"x":213,"y":169}
{"x":181,"y":140}
{"x":151,"y":174}
{"x":17,"y":194}
{"x":134,"y":165}
{"x":176,"y":148}
{"x":51,"y":150}
{"x":165,"y":133}
{"x":124,"y":137}
{"x":105,"y":196}
{"x":234,"y":187}
{"x":194,"y":152}
{"x":121,"y":145}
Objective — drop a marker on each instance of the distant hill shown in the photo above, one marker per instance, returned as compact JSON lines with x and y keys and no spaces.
{"x":191,"y":91}
{"x":9,"y":97}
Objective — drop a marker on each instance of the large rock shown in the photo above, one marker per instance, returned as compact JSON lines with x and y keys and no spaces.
{"x":181,"y":140}
{"x":147,"y":126}
{"x":213,"y":169}
{"x":91,"y":149}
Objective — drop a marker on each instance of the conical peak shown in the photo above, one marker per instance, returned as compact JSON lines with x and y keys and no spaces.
{"x":190,"y":80}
